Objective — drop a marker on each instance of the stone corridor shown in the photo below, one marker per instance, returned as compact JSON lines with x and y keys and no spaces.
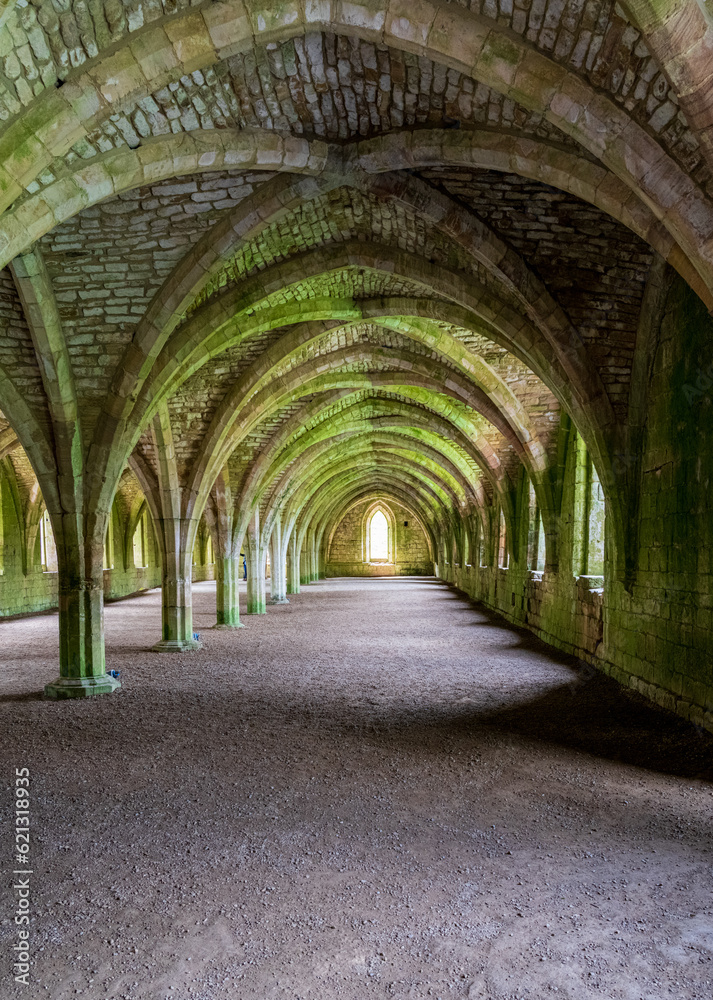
{"x":319,"y":318}
{"x":264,"y":266}
{"x":375,"y":791}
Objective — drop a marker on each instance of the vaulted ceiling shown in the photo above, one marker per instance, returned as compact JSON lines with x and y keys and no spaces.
{"x":312,"y":249}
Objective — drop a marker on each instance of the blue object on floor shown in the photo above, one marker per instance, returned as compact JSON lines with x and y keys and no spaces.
{"x":196,"y":636}
{"x":116,"y":674}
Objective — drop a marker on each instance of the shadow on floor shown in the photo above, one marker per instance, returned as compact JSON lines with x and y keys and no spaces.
{"x":595,"y":715}
{"x":24,"y":696}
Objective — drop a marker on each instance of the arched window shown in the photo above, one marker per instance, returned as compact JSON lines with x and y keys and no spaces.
{"x":503,"y":556}
{"x":141,"y":550}
{"x":536,"y":539}
{"x":109,"y":547}
{"x":589,"y":521}
{"x":378,"y":534}
{"x":48,"y":549}
{"x":482,"y":546}
{"x":540,"y":561}
{"x":378,"y":538}
{"x":595,"y":549}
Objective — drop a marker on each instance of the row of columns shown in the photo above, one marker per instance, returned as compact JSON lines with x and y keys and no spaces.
{"x":286,"y":561}
{"x":293,"y":562}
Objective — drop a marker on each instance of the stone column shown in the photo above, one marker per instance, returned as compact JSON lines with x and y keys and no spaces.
{"x":278,"y":579}
{"x":219,"y":513}
{"x":228,"y":573}
{"x":256,"y":569}
{"x":293,"y":566}
{"x":176,"y":588}
{"x":176,"y":534}
{"x":304,"y":563}
{"x":80,"y":570}
{"x":321,"y":561}
{"x":313,"y":559}
{"x":56,"y":450}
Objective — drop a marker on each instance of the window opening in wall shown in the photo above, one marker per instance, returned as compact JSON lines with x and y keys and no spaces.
{"x":109,"y":548}
{"x":48,"y":549}
{"x":378,"y":538}
{"x":482,"y":552}
{"x":595,"y":549}
{"x":589,"y":520}
{"x":2,"y":531}
{"x":502,"y":543}
{"x":209,"y":551}
{"x":140,"y":546}
{"x":540,"y":560}
{"x":536,"y":533}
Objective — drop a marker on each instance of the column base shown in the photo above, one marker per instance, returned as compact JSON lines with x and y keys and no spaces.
{"x":81,"y":687}
{"x":176,"y":646}
{"x":237,"y":625}
{"x":278,"y":600}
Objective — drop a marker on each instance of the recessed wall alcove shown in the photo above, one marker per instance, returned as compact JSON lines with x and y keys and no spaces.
{"x":379,"y":537}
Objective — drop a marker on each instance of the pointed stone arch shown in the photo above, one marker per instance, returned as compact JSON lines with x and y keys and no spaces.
{"x":379,"y":506}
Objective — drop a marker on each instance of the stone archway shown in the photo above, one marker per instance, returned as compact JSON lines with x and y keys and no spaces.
{"x":372,"y":542}
{"x":350,"y":547}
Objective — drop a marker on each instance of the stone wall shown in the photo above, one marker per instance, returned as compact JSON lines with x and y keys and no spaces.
{"x":345,"y":554}
{"x":651,"y":626}
{"x":26,"y":589}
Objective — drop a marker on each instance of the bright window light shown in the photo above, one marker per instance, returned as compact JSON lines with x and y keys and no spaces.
{"x":379,"y":538}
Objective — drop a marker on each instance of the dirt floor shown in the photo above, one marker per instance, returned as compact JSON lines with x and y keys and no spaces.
{"x":375,"y":791}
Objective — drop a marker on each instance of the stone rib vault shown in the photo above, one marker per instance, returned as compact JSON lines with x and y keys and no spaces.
{"x":270,"y":269}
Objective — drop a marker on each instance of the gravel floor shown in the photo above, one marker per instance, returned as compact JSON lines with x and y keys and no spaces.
{"x":375,"y":791}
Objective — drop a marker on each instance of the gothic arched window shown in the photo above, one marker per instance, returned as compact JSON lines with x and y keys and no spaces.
{"x":378,"y":537}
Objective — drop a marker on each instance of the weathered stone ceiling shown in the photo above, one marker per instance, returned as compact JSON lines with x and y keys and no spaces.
{"x":595,"y":267}
{"x":194,"y":405}
{"x":16,"y":343}
{"x":326,"y":87}
{"x":305,"y":287}
{"x":340,"y":86}
{"x":108,"y":262}
{"x":338,"y":217}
